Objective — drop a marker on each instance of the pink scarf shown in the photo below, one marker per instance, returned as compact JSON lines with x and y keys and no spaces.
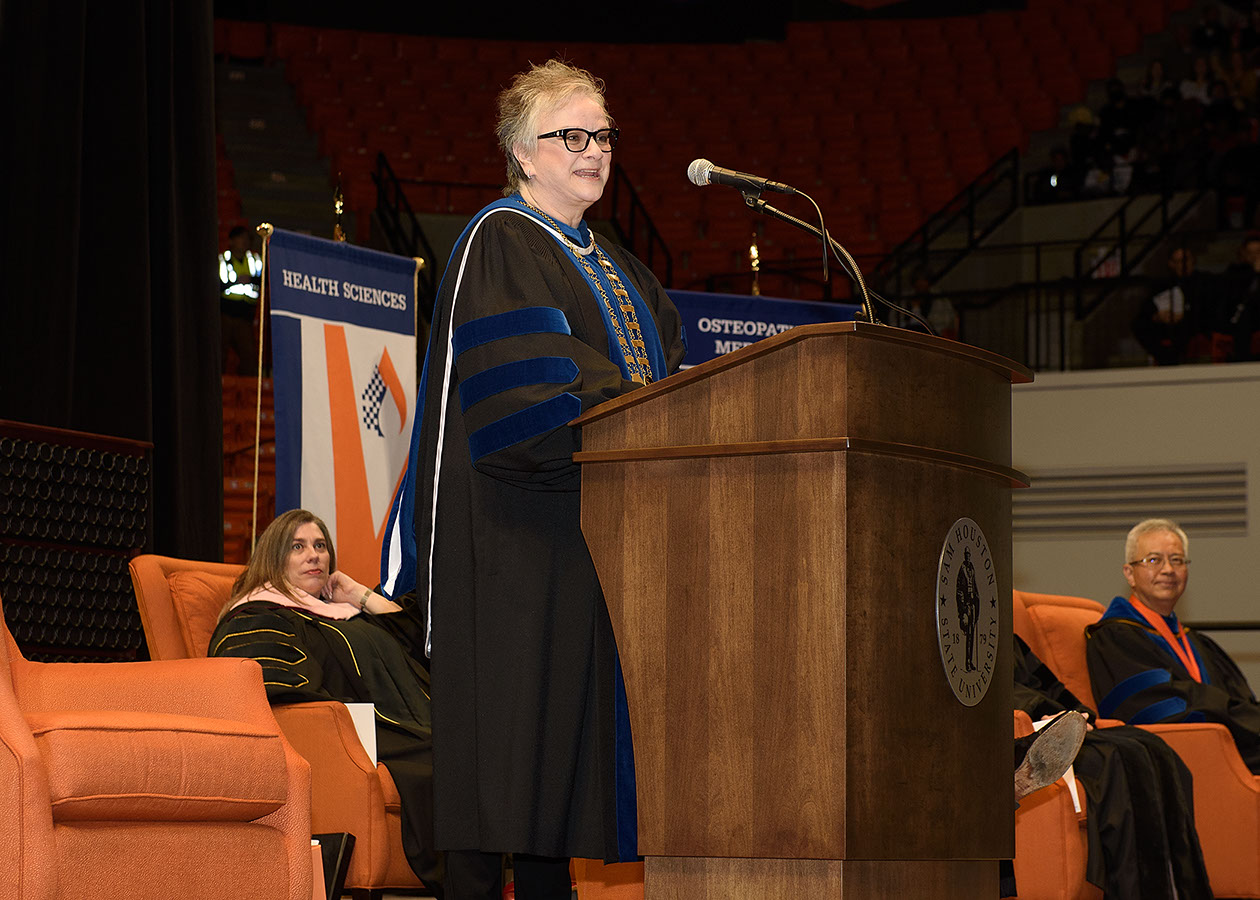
{"x":304,"y":601}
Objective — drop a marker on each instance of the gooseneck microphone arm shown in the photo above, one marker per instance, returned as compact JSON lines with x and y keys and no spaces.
{"x":756,"y":204}
{"x":701,"y":172}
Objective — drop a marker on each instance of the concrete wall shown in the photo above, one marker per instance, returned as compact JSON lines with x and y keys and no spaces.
{"x":1164,"y":420}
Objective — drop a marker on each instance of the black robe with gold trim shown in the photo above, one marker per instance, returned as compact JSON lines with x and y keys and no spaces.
{"x":530,"y":739}
{"x":365,"y":659}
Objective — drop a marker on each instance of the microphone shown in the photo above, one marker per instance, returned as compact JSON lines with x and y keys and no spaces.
{"x":702,"y":172}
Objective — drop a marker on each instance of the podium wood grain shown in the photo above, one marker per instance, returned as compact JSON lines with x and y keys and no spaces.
{"x":767,"y":528}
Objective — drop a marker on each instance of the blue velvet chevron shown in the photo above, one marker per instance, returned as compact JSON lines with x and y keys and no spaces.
{"x":1132,"y":685}
{"x":514,"y":322}
{"x":522,"y":372}
{"x":523,"y":425}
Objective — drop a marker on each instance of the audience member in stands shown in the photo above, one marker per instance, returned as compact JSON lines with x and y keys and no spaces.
{"x":1249,"y":34}
{"x":1198,"y":84}
{"x":1240,"y":78}
{"x":240,"y":274}
{"x":1154,"y":83}
{"x":1061,"y":180}
{"x":1211,"y":35}
{"x":1138,"y":798}
{"x":546,"y":321}
{"x":1237,"y":324}
{"x":320,"y":635}
{"x":1175,"y":323}
{"x":1118,"y":116}
{"x":1145,"y":666}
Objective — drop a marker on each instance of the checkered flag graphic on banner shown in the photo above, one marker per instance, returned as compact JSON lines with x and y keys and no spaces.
{"x":371,"y":399}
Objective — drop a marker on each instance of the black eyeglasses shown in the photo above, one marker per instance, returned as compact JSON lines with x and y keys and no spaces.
{"x":578,"y":139}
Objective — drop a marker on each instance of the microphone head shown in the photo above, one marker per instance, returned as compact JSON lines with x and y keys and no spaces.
{"x":698,"y":172}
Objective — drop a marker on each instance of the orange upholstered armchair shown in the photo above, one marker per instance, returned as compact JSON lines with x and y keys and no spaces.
{"x":1226,"y":794}
{"x":147,"y":780}
{"x":179,"y":604}
{"x":1051,"y":846}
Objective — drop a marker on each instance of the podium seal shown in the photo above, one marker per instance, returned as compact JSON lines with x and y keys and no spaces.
{"x":967,"y":611}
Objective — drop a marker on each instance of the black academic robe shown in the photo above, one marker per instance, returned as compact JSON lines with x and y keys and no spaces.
{"x":529,"y":751}
{"x":1139,"y":798}
{"x":1138,"y":678}
{"x":364,"y":659}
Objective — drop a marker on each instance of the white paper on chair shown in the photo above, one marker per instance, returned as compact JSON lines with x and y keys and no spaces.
{"x":1069,"y":777}
{"x":364,"y":717}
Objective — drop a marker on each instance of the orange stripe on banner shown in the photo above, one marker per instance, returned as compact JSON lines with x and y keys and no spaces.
{"x":390,"y":377}
{"x":358,"y":539}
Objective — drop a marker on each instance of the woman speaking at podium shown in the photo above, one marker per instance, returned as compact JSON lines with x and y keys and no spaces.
{"x":536,"y":321}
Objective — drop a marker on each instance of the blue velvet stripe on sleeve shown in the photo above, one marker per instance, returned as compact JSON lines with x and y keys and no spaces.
{"x":1158,"y":711}
{"x":527,"y":423}
{"x":527,"y":320}
{"x":522,"y":372}
{"x":1130,"y":686}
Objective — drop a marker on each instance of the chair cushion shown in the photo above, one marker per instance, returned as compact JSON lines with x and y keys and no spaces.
{"x":109,"y":765}
{"x":197,"y":598}
{"x":1061,"y":630}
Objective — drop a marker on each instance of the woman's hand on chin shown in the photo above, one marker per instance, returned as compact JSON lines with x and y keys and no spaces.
{"x":342,"y":588}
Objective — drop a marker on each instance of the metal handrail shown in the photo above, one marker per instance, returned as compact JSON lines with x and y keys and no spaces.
{"x":654,"y":248}
{"x":1126,"y":242}
{"x":403,"y":231}
{"x":916,"y":247}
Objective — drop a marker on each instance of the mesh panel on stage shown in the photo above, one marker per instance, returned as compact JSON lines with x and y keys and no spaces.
{"x":74,"y":508}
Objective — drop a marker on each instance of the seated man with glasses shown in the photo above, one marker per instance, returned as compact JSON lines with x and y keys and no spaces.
{"x":1146,"y":667}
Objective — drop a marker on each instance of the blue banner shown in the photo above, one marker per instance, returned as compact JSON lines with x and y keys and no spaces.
{"x":344,"y":367}
{"x":719,"y":323}
{"x":339,"y":282}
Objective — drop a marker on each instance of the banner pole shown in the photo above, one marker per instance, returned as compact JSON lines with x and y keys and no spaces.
{"x":265,"y":230}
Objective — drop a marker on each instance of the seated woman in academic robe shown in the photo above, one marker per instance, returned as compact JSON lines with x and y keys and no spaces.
{"x":321,"y":635}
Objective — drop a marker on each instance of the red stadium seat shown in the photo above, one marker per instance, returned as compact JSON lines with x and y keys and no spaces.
{"x":372,"y":117}
{"x":936,"y":192}
{"x":334,"y":42}
{"x":246,"y":40}
{"x":289,"y":41}
{"x":898,"y":195}
{"x":375,"y":45}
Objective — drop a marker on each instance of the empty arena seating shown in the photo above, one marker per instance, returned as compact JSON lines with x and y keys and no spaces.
{"x":882,"y":120}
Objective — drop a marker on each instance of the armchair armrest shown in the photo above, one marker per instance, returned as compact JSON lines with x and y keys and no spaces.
{"x":1208,"y":749}
{"x":1023,"y":723}
{"x":1226,"y":802}
{"x":26,"y":829}
{"x":346,"y":789}
{"x":213,"y":688}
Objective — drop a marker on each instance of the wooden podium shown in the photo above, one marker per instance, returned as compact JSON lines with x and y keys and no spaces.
{"x":767,"y":527}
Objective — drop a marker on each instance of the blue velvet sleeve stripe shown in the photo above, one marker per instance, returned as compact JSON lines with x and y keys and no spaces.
{"x":539,"y":370}
{"x":1130,"y":686}
{"x":528,"y":320}
{"x":1158,"y":712}
{"x":527,"y":423}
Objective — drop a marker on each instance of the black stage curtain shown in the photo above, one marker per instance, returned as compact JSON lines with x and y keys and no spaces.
{"x":108,"y":278}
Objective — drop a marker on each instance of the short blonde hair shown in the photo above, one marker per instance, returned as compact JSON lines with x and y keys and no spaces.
{"x":532,"y":93}
{"x":1146,"y":527}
